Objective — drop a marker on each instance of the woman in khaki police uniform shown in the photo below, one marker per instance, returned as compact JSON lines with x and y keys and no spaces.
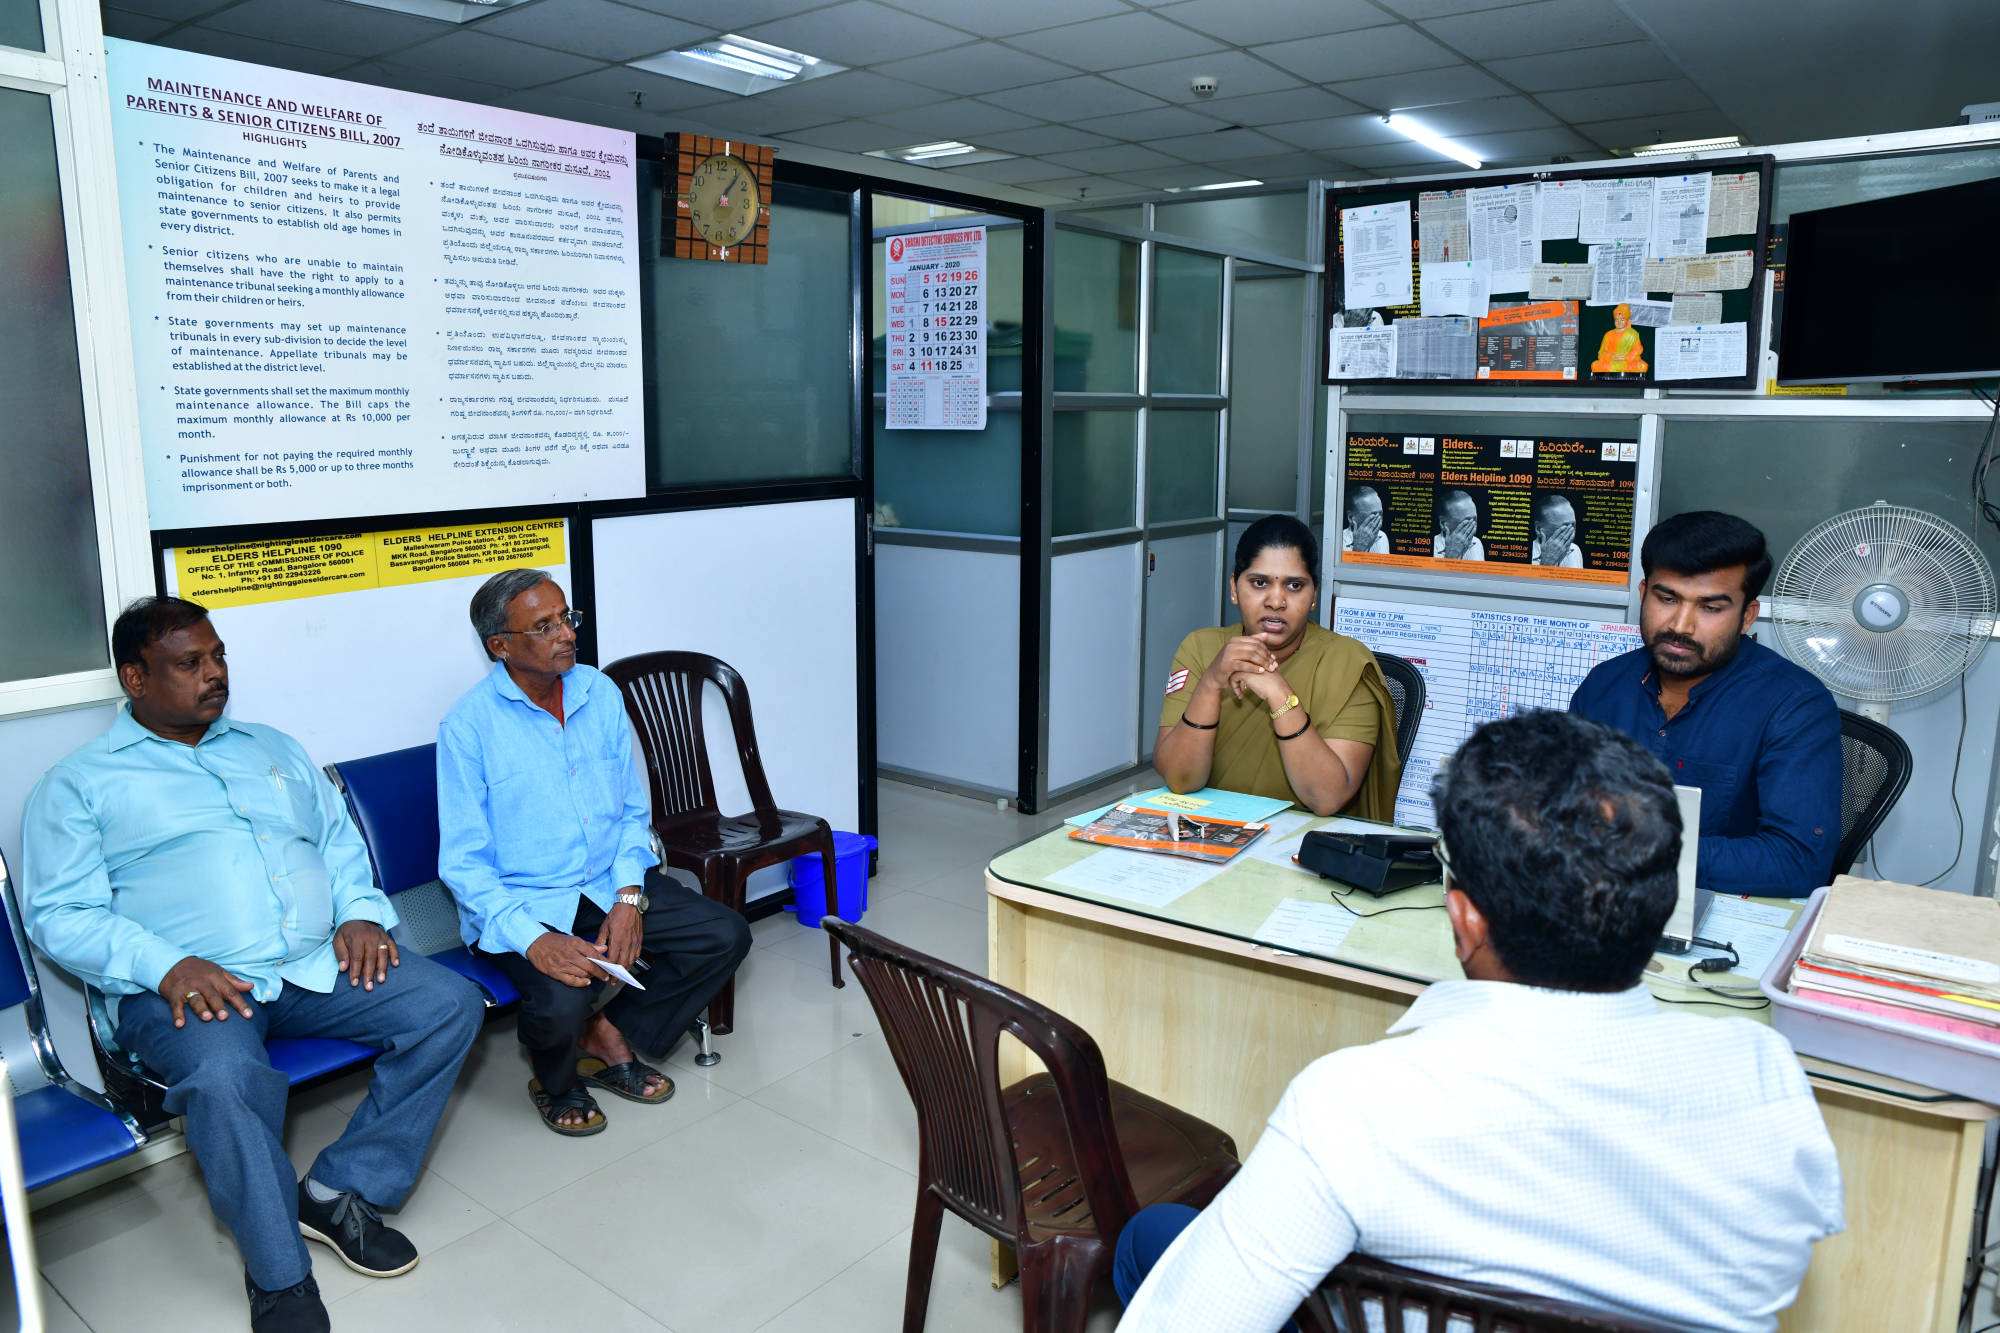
{"x":1278,"y":706}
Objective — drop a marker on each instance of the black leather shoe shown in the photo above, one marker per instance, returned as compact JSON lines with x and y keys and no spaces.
{"x":293,"y":1310}
{"x":354,"y":1231}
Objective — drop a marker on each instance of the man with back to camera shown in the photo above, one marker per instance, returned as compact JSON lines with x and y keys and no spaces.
{"x":1542,"y":1124}
{"x":193,"y":867}
{"x":1759,"y":735}
{"x":544,"y":827}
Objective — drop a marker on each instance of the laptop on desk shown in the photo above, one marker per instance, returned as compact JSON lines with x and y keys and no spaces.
{"x":1691,"y":906}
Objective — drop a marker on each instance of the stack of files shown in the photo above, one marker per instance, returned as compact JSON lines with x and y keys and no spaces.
{"x":1909,"y":954}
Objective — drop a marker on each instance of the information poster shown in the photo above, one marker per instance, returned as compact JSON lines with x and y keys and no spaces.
{"x":249,"y":573}
{"x":1529,"y":342}
{"x":937,"y":330}
{"x":349,"y":300}
{"x":1558,"y":508}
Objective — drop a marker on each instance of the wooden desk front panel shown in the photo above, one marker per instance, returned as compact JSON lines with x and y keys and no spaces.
{"x":1220,"y":1032}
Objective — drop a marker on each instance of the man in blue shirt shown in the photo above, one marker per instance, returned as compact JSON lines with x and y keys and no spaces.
{"x":1758,"y":735}
{"x":544,"y":841}
{"x":190,"y":866}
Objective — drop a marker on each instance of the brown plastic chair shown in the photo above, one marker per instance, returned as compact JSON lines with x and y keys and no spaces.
{"x":1360,"y":1283}
{"x":663,"y":698}
{"x":1053,"y":1165}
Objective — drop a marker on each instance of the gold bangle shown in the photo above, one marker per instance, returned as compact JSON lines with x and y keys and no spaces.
{"x":1291,"y":702}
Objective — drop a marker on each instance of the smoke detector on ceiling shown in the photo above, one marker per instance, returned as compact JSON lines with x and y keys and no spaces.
{"x":1204,"y":85}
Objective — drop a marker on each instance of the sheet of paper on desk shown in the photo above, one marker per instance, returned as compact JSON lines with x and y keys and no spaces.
{"x":1302,"y":927}
{"x":1757,"y":930}
{"x":1135,"y":877}
{"x":1278,"y":846}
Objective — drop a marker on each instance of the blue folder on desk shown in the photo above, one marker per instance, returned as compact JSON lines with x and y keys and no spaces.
{"x":1211,"y":802}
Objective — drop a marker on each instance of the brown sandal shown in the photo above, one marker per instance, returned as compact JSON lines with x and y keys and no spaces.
{"x":553,"y":1109}
{"x":627,"y":1080}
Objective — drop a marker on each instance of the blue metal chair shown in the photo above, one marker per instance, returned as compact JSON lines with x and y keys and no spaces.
{"x":63,"y":1127}
{"x":393,"y":798}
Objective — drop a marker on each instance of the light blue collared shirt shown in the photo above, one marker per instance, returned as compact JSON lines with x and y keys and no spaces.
{"x":534,"y":814}
{"x":140,"y":851}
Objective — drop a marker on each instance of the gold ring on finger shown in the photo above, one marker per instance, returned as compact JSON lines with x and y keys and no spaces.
{"x":192,"y":995}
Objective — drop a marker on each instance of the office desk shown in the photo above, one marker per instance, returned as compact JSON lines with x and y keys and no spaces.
{"x":1189,"y":1008}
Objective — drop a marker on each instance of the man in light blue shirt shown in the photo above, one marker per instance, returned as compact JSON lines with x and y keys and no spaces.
{"x":543,"y":838}
{"x":192,"y":867}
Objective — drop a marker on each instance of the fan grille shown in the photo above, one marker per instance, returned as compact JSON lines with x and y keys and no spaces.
{"x":1947,"y":582}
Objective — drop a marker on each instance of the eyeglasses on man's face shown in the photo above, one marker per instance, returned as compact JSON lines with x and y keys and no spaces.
{"x":548,"y":629}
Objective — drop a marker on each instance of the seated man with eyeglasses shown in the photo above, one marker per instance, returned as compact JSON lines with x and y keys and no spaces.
{"x":543,"y":840}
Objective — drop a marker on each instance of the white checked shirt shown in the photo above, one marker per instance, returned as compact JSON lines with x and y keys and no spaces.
{"x":1590,"y":1147}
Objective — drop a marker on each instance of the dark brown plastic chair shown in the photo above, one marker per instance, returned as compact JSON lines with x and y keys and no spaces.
{"x":1361,"y":1283}
{"x":1053,"y":1165}
{"x":663,"y":698}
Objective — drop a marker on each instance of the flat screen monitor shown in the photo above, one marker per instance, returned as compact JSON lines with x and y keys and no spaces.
{"x":1894,"y":289}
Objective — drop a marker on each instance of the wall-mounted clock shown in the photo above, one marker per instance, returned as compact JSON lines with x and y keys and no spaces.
{"x":718,"y":205}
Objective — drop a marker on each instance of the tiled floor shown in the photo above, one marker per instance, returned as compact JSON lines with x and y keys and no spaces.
{"x":773,"y":1192}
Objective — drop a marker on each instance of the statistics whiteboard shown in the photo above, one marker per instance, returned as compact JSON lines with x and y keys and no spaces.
{"x":1477,"y":665}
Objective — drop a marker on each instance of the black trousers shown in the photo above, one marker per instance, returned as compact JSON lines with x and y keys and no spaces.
{"x":692,"y":945}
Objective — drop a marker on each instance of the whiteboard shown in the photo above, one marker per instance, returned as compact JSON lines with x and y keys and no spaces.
{"x":350,"y":674}
{"x":1477,"y":665}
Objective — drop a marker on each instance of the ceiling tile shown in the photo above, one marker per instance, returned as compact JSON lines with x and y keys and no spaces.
{"x":1083,"y":187}
{"x":1285,"y":166}
{"x":850,"y":136}
{"x":256,"y":51}
{"x":964,"y":117}
{"x":1530,"y":145}
{"x":1622,"y":62}
{"x":1011,"y":171}
{"x":1180,"y":178}
{"x":1525,"y":30}
{"x":1339,"y":133}
{"x":134,"y":27}
{"x":615,"y":85}
{"x":1428,"y":88}
{"x":475,"y":55}
{"x":1159,"y":123}
{"x":1043,"y":139}
{"x":747,"y":116}
{"x":1240,"y":75}
{"x":1637,"y":131}
{"x":726,"y":15}
{"x":1273,"y":20}
{"x":1489,"y":115}
{"x":1116,"y":42}
{"x":1286,"y":105}
{"x":859,"y":32}
{"x":1118,"y":157}
{"x":1431,"y":9}
{"x":324,"y":25}
{"x":981,"y":67}
{"x":177,"y":10}
{"x":1626,"y":100}
{"x":1358,"y":55}
{"x":432,"y":81}
{"x":593,"y":28}
{"x":855,"y":93}
{"x":1378,"y":156}
{"x":541,"y":103}
{"x":1082,"y":98}
{"x":1221,"y":146}
{"x":1003,"y":18}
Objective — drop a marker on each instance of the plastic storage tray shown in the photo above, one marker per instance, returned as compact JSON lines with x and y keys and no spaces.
{"x":1902,"y":1050}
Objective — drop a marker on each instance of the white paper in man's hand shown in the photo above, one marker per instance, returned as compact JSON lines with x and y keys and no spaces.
{"x":617,"y":973}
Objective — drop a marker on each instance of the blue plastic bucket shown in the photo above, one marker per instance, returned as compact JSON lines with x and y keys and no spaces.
{"x":850,"y":881}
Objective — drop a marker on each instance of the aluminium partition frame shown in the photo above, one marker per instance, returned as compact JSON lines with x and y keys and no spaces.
{"x":1653,"y":407}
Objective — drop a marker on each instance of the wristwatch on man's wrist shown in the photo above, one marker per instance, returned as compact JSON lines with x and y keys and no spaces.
{"x":637,"y":900}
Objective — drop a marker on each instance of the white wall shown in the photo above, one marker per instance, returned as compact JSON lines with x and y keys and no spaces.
{"x":948,"y":664}
{"x":1094,"y":600}
{"x":770,"y":590}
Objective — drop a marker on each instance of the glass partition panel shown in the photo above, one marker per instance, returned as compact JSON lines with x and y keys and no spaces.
{"x":21,"y":24}
{"x":1093,"y":472}
{"x":1003,"y":312}
{"x":1131,"y":215}
{"x":950,"y":480}
{"x":1264,"y":370}
{"x":1806,"y":186}
{"x":1788,"y":475}
{"x":1187,"y":322}
{"x":1097,"y":313}
{"x":53,"y":598}
{"x":1180,"y":465}
{"x":1318,"y":453}
{"x":749,"y":377}
{"x":1273,"y":223}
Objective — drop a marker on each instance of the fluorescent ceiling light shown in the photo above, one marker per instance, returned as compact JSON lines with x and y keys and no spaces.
{"x":451,"y":11}
{"x":737,"y":64}
{"x":940,"y":152}
{"x":1686,"y":146}
{"x":1218,"y":185}
{"x":1437,"y":143}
